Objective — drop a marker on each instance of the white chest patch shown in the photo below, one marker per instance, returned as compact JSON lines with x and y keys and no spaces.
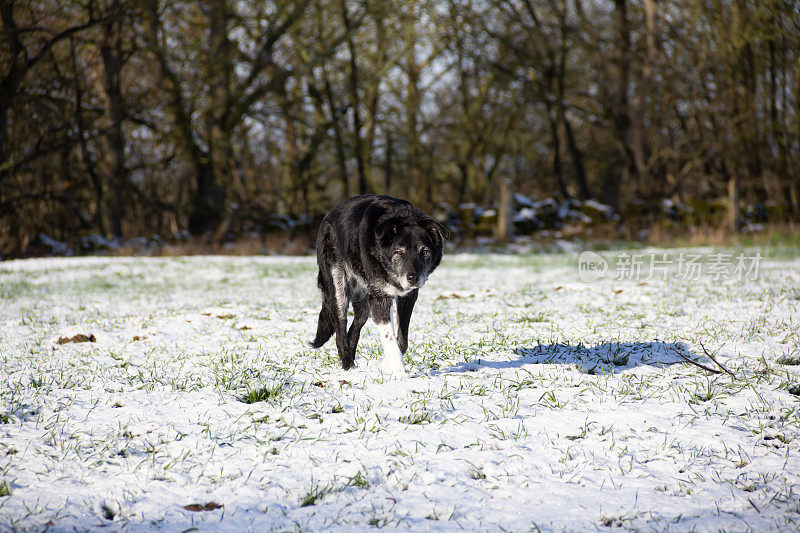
{"x":390,"y":290}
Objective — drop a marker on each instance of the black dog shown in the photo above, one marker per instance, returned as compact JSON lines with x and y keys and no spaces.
{"x":372,"y":251}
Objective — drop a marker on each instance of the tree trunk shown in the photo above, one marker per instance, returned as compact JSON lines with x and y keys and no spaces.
{"x":355,"y":102}
{"x":619,"y":111}
{"x":219,"y":94}
{"x":734,"y":215}
{"x":207,"y":199}
{"x":9,"y":85}
{"x":290,"y":156}
{"x":576,"y":157}
{"x":639,"y":100}
{"x":463,"y":172}
{"x":338,"y":138}
{"x":101,"y":223}
{"x":505,"y":226}
{"x":555,"y":142}
{"x":210,"y":196}
{"x":372,"y":90}
{"x":412,"y":104}
{"x":111,"y":51}
{"x":387,"y":165}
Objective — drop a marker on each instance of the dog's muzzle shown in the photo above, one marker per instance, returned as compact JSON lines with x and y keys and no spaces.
{"x":413,"y":281}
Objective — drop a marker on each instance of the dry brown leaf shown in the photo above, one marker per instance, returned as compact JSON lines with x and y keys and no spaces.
{"x":80,"y":337}
{"x":453,"y":296}
{"x":195,"y":507}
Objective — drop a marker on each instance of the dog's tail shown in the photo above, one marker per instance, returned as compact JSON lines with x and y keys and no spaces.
{"x":325,"y":328}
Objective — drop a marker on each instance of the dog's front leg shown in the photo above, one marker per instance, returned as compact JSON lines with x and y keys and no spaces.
{"x":381,"y":311}
{"x":340,"y":304}
{"x":405,"y":305}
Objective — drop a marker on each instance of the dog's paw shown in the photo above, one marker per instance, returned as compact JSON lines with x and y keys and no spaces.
{"x":392,"y":370}
{"x":394,"y":375}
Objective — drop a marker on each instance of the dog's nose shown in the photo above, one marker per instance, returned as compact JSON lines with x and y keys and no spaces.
{"x":413,"y":279}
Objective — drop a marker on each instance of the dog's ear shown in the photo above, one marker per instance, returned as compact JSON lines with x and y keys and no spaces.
{"x":386,"y":229}
{"x":437,"y":230}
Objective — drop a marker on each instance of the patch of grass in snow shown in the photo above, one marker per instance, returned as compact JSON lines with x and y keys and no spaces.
{"x":416,"y":417}
{"x":617,"y":356}
{"x":359,"y":480}
{"x":108,"y":511}
{"x":315,"y":493}
{"x":479,"y":390}
{"x":379,"y":521}
{"x":433,"y":516}
{"x":790,"y":359}
{"x":615,"y":521}
{"x":793,"y":388}
{"x":477,"y":473}
{"x":5,"y":490}
{"x":704,"y":393}
{"x":534,"y":318}
{"x":262,"y":394}
{"x":549,"y":399}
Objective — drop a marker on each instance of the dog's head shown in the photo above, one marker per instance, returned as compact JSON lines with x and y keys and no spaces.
{"x":411,"y":249}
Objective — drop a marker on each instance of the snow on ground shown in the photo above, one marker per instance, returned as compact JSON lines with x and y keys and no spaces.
{"x":537,"y":400}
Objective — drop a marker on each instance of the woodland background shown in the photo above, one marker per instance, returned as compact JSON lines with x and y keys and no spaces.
{"x":217,"y":120}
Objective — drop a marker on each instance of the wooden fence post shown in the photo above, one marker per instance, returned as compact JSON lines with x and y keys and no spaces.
{"x":505,"y":226}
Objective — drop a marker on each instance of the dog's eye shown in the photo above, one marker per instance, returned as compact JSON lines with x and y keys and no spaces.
{"x":399,"y":252}
{"x":425,"y":252}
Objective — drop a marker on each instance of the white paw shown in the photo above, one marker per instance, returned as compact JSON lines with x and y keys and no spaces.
{"x":389,"y":367}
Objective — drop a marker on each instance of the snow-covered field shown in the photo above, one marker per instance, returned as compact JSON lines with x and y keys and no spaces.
{"x":537,"y":400}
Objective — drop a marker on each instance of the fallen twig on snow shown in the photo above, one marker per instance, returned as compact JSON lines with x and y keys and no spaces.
{"x":715,"y":361}
{"x":695,"y":363}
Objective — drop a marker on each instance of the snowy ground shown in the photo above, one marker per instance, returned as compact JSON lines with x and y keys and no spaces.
{"x":537,"y":400}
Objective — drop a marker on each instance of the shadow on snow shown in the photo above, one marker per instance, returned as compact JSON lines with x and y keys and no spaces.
{"x":608,"y":357}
